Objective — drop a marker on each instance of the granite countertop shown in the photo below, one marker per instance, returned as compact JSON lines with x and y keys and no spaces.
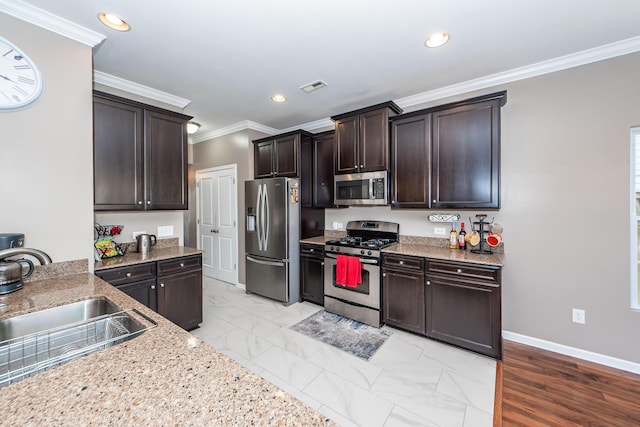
{"x":165,"y":376}
{"x":318,"y":240}
{"x":155,"y":254}
{"x":427,"y":247}
{"x":446,"y":254}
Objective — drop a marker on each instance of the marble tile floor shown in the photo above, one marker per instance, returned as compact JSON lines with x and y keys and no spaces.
{"x":409,"y":381}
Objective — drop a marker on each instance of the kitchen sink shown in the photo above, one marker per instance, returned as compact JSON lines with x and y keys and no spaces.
{"x":33,"y":342}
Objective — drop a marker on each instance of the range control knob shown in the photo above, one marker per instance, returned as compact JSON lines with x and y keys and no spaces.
{"x":330,"y":248}
{"x":369,"y":253}
{"x":337,"y":249}
{"x":362,"y":251}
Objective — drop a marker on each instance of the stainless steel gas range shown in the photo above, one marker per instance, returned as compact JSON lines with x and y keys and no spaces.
{"x":360,"y":301}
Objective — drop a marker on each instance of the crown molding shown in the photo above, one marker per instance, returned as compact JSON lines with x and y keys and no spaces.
{"x":138,"y":89}
{"x":236,"y":127}
{"x":584,"y":57}
{"x":311,"y":126}
{"x":48,"y":21}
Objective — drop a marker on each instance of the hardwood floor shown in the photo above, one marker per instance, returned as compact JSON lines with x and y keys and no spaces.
{"x":542,"y":388}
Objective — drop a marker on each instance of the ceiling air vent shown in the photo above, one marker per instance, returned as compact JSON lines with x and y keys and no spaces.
{"x":310,"y":87}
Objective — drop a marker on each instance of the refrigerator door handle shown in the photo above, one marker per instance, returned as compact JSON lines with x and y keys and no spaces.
{"x":273,"y":263}
{"x":266,"y":208}
{"x":259,"y":217}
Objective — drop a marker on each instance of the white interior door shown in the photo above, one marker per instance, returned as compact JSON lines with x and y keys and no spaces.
{"x":217,"y":219}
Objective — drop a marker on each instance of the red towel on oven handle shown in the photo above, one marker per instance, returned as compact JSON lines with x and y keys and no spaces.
{"x":348,"y":271}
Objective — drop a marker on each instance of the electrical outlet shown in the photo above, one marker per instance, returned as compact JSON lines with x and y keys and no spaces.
{"x":579,"y":316}
{"x":137,"y":233}
{"x":165,"y":231}
{"x":439,"y":231}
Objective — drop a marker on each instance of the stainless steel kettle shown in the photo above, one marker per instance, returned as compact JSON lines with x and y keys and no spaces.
{"x":11,"y":274}
{"x":144,"y":243}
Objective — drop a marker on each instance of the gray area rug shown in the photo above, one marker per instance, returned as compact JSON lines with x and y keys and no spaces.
{"x":345,"y":334}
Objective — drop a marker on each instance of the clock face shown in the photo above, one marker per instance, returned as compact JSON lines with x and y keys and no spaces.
{"x":20,"y":80}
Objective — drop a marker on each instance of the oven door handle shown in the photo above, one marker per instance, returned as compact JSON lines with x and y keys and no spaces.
{"x":362,"y":260}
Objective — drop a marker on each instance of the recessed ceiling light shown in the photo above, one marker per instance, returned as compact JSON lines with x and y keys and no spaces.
{"x":113,"y":21}
{"x":437,"y":40}
{"x":278,"y":98}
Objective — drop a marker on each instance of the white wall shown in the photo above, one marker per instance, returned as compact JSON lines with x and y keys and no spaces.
{"x":46,"y":178}
{"x":565,"y":206}
{"x":143,"y":221}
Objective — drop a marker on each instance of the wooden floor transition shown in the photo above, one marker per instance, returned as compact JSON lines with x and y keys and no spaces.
{"x":535,"y":387}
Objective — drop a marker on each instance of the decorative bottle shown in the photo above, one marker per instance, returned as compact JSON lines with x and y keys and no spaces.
{"x":462,"y":244}
{"x":453,"y":237}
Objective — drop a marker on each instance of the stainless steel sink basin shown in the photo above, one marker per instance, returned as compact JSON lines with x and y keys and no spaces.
{"x":37,"y":341}
{"x":39,"y":321}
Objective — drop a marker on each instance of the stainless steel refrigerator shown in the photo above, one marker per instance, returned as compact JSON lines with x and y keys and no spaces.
{"x":272,"y":238}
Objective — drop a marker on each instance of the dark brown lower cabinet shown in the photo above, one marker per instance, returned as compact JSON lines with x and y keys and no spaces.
{"x":180,"y":298}
{"x":144,"y":292}
{"x":403,"y":292}
{"x":465,"y":313}
{"x":312,"y":273}
{"x":175,"y":293}
{"x":453,"y":302}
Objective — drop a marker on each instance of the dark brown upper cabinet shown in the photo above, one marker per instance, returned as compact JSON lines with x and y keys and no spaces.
{"x":448,"y":157}
{"x":362,"y":139}
{"x":323,"y":168}
{"x":465,"y":163}
{"x":140,"y":155}
{"x":278,"y":155}
{"x":410,"y":160}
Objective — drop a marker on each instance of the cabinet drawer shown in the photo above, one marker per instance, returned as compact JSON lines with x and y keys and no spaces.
{"x":178,"y":265}
{"x":472,"y":271}
{"x":128,"y":274}
{"x":402,"y":261}
{"x":312,"y":250}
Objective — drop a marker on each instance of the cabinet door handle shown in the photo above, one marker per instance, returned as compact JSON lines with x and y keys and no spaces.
{"x":361,"y":166}
{"x":322,"y":263}
{"x":162,"y":285}
{"x":434,"y":201}
{"x":148,"y":202}
{"x":384,"y":274}
{"x":182,"y":264}
{"x":459,"y":271}
{"x":428,"y":282}
{"x":128,"y":274}
{"x":139,"y":202}
{"x":153,"y":287}
{"x":401,"y":262}
{"x":310,"y":250}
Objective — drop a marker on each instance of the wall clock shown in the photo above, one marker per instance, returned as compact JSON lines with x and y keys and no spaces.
{"x":20,"y":80}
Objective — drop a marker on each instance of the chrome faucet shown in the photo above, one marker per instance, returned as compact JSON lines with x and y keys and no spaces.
{"x":38,"y":254}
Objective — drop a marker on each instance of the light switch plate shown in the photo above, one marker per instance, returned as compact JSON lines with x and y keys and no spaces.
{"x":165,"y":230}
{"x":439,"y":231}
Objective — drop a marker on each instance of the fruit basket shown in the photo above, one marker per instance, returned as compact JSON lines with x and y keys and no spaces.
{"x":107,"y":248}
{"x":107,"y":230}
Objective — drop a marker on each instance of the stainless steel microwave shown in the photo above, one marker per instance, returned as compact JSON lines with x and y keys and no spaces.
{"x":368,"y":188}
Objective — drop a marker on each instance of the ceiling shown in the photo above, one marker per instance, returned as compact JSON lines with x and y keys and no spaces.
{"x":229,"y":57}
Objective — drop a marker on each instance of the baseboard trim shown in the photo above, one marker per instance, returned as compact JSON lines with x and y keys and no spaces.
{"x":590,"y":356}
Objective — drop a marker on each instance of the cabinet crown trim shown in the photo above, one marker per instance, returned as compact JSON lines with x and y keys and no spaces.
{"x":148,"y":107}
{"x":501,"y":96}
{"x":389,"y":104}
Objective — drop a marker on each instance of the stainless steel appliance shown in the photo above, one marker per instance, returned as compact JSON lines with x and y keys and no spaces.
{"x":144,"y":243}
{"x":272,"y":238}
{"x":368,"y":188}
{"x":11,"y":270}
{"x":364,"y":240}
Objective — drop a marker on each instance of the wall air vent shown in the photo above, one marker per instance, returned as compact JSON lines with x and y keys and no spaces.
{"x":310,"y":87}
